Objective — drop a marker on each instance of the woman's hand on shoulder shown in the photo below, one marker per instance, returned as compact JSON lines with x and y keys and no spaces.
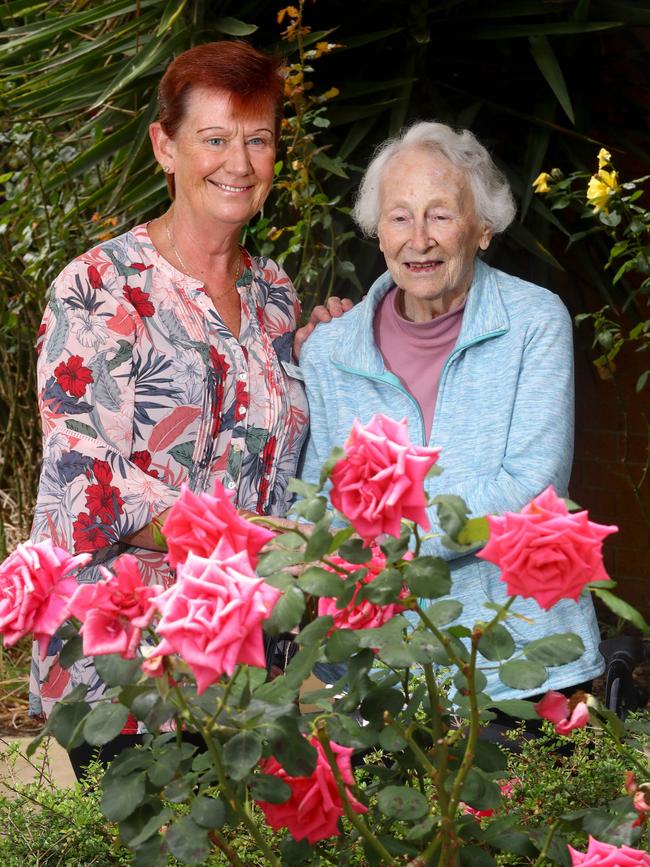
{"x":332,"y":309}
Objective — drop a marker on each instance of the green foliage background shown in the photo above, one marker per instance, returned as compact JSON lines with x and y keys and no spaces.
{"x":541,"y":83}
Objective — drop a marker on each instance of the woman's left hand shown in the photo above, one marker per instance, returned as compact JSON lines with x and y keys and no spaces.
{"x":333,"y":308}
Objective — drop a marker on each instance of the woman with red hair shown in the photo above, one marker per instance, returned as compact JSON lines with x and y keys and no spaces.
{"x":166,"y":352}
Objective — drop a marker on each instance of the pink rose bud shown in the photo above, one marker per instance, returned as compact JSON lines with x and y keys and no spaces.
{"x":605,"y":855}
{"x":197,"y":523}
{"x":381,"y":478}
{"x":564,"y":714}
{"x":314,"y":807}
{"x":546,"y":552}
{"x":35,"y":586}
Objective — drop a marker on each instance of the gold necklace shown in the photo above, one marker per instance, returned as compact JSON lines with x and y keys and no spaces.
{"x":239,"y":270}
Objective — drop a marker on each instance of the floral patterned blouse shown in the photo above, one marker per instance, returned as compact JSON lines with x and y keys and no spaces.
{"x":142,"y":387}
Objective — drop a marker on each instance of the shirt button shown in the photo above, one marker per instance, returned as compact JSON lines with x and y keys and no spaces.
{"x":231,"y":483}
{"x":242,"y":377}
{"x":241,"y":411}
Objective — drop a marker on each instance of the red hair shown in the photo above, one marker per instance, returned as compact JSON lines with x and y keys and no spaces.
{"x":252,"y":78}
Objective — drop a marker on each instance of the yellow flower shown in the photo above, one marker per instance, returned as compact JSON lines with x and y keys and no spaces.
{"x":604,"y":158}
{"x":540,"y":184}
{"x":600,"y":188}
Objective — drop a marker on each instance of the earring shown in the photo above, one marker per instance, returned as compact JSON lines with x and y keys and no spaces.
{"x":166,"y":169}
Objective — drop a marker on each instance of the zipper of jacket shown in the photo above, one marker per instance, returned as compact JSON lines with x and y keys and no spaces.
{"x":397,"y":384}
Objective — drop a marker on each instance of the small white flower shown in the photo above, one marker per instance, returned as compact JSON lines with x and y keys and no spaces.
{"x":89,"y":330}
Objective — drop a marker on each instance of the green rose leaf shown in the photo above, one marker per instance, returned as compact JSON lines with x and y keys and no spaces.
{"x":622,"y":609}
{"x":342,"y":644}
{"x":65,"y":722}
{"x":522,"y":674}
{"x":208,"y":812}
{"x":474,"y":856}
{"x":143,"y":823}
{"x":426,"y":649}
{"x":391,"y":740}
{"x":394,"y":549}
{"x":271,"y":789}
{"x":311,"y":510}
{"x":295,"y":852}
{"x":241,"y":753}
{"x":443,"y":612}
{"x":121,"y":795}
{"x":480,"y":681}
{"x":517,"y":708}
{"x":475,"y":532}
{"x":301,"y":664}
{"x":497,"y":644}
{"x":115,"y":671}
{"x":105,"y":722}
{"x":354,"y":551}
{"x":287,"y":612}
{"x":380,"y":699}
{"x":428,"y":577}
{"x":555,"y":649}
{"x":276,"y":560}
{"x":383,"y":589}
{"x":402,"y":802}
{"x":320,"y":582}
{"x":319,"y":540}
{"x":479,"y":791}
{"x":188,"y":841}
{"x":315,"y":631}
{"x":163,"y":769}
{"x":294,"y":752}
{"x":334,"y":457}
{"x":303,"y":489}
{"x":72,"y":652}
{"x":452,"y":513}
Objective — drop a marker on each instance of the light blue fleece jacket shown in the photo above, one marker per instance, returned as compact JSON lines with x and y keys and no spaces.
{"x":504,"y":421}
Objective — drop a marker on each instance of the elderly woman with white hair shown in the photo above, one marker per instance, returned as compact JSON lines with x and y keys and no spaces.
{"x":478,"y":361}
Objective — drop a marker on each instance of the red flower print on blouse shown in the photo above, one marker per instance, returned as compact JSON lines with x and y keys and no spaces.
{"x":72,"y":376}
{"x":221,"y":368}
{"x":241,"y":395}
{"x":94,"y":277}
{"x":87,"y":535}
{"x":104,"y":502}
{"x":102,"y":472}
{"x":142,"y":460}
{"x":140,"y":266}
{"x":268,"y":455}
{"x":140,"y":300}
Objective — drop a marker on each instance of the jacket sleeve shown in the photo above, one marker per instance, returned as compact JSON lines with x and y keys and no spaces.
{"x":92,"y":492}
{"x":538,"y":447}
{"x":322,"y":423}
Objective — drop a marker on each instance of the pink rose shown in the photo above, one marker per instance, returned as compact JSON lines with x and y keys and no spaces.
{"x":381,"y":478}
{"x":507,"y":790}
{"x":640,"y":797}
{"x":360,"y":613}
{"x":116,"y":610}
{"x":565,"y":714}
{"x":197,"y":523}
{"x":212,"y":617}
{"x":546,"y":552}
{"x":314,"y":807}
{"x":605,"y":855}
{"x":35,"y":586}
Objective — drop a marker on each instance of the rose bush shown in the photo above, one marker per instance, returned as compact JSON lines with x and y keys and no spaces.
{"x":228,"y":748}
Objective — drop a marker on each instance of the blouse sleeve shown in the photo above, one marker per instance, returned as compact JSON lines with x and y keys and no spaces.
{"x":92,"y":493}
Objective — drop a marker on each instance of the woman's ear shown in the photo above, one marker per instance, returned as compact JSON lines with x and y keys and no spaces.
{"x":485,"y":239}
{"x":163,"y":146}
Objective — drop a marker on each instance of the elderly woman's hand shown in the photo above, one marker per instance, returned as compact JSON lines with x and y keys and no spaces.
{"x":333,"y":308}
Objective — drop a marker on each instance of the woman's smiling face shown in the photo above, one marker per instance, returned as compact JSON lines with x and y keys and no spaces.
{"x":223,"y":161}
{"x":428,"y":230}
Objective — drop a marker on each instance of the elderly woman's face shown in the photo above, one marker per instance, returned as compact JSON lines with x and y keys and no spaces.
{"x":428,"y":229}
{"x":222,"y":162}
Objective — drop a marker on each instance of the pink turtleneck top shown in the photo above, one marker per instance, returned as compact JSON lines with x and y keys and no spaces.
{"x":415,"y":352}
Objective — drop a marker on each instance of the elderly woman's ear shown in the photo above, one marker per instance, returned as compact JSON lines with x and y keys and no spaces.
{"x":486,"y":238}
